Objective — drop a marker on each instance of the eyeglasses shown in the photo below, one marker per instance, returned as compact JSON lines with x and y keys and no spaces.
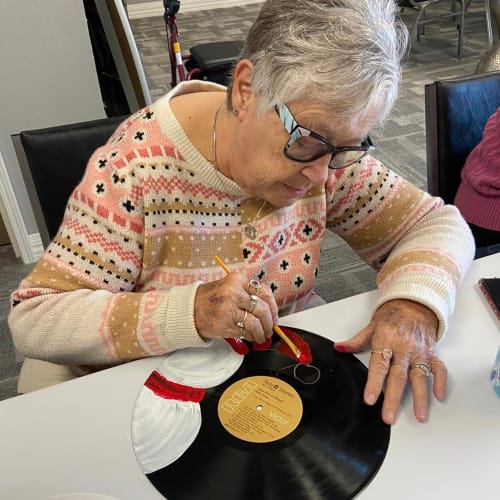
{"x":305,"y":145}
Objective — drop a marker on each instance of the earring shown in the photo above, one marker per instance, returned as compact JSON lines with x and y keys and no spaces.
{"x":236,"y":112}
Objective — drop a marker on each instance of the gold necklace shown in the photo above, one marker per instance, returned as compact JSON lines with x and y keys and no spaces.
{"x":213,"y":145}
{"x":250,"y":230}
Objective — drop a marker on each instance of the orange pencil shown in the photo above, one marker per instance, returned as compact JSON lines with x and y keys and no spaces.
{"x":300,"y":356}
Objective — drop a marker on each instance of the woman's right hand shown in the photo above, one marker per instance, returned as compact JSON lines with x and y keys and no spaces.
{"x":220,"y":305}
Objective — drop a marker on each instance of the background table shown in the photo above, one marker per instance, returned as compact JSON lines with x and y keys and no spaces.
{"x":75,"y":437}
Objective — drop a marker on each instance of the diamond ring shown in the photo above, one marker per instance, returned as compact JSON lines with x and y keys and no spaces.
{"x":424,"y":367}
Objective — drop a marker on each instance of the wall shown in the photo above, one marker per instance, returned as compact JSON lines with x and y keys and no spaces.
{"x":48,"y":78}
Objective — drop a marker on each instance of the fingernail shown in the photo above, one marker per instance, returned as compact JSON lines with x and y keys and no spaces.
{"x":389,"y":418}
{"x":339,"y":348}
{"x":370,"y":399}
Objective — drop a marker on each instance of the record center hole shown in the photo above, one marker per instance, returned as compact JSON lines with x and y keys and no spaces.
{"x":259,"y":408}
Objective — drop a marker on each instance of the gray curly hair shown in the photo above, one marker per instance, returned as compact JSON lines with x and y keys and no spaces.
{"x":344,"y":54}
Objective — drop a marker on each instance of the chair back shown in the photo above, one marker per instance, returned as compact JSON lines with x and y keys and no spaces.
{"x":456,"y":112}
{"x":53,"y":161}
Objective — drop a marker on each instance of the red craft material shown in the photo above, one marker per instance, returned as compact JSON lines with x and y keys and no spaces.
{"x":305,"y":356}
{"x":167,"y":389}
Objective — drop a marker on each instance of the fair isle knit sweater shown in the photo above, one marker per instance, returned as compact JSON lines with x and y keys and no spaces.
{"x":119,"y":280}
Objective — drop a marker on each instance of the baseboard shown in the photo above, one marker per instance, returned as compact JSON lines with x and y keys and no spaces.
{"x":36,"y":245}
{"x":153,"y":9}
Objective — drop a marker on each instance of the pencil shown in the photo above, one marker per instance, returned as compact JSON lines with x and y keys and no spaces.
{"x":300,"y":356}
{"x":221,"y":264}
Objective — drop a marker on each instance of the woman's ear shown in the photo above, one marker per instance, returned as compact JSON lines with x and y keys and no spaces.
{"x":242,"y":92}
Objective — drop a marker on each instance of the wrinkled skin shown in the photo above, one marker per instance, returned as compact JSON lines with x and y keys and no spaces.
{"x":220,"y":304}
{"x":409,"y":329}
{"x":406,"y":327}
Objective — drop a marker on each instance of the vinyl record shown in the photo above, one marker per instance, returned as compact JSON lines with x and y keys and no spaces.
{"x":281,"y":430}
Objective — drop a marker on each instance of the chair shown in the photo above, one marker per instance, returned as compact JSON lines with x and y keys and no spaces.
{"x":490,"y":60}
{"x":52,"y":162}
{"x":456,"y":112}
{"x":420,"y":6}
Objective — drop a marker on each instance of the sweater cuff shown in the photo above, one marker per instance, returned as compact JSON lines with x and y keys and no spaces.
{"x":176,"y":328}
{"x":437,"y":303}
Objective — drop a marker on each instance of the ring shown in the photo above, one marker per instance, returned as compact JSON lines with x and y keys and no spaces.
{"x":253,"y":302}
{"x":424,"y":367}
{"x":255,"y":284}
{"x":386,"y":353}
{"x":241,"y":326}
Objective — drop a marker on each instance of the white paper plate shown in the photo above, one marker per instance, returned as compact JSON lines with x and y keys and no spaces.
{"x":201,"y":367}
{"x":162,"y":429}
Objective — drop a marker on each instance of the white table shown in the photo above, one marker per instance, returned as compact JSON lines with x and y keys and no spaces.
{"x":75,"y":437}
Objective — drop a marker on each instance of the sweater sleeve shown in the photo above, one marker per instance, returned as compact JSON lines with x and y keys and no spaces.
{"x":89,"y":299}
{"x":421,"y":247}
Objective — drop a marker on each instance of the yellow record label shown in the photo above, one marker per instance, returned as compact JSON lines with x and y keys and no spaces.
{"x":260,"y":409}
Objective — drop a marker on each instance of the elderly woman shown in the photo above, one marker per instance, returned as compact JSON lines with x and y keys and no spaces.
{"x":255,"y":174}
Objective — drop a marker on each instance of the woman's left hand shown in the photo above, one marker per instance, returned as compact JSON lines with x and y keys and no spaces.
{"x":402,"y":337}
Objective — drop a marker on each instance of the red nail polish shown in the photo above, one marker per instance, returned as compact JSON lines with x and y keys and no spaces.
{"x":339,"y":348}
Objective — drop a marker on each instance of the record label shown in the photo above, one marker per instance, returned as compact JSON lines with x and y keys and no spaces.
{"x":260,"y":409}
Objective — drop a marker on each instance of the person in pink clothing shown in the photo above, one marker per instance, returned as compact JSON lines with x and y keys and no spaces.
{"x":478,"y":196}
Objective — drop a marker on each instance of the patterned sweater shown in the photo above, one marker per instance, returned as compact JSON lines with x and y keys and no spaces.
{"x":118,"y":282}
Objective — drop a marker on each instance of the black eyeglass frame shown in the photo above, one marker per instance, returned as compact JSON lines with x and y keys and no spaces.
{"x":295,"y":130}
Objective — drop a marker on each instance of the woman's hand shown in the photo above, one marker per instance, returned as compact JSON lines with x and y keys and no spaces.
{"x":408,"y":331}
{"x":221,"y":305}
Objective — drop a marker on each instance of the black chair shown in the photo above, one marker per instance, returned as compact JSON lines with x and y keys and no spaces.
{"x":52,"y":162}
{"x":421,"y":6}
{"x":456,"y":112}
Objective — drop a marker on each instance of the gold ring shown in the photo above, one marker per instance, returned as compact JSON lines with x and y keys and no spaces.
{"x":241,"y":326}
{"x":386,"y":353}
{"x":255,"y":284}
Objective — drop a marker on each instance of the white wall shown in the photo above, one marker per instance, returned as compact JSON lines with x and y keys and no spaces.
{"x":48,"y":77}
